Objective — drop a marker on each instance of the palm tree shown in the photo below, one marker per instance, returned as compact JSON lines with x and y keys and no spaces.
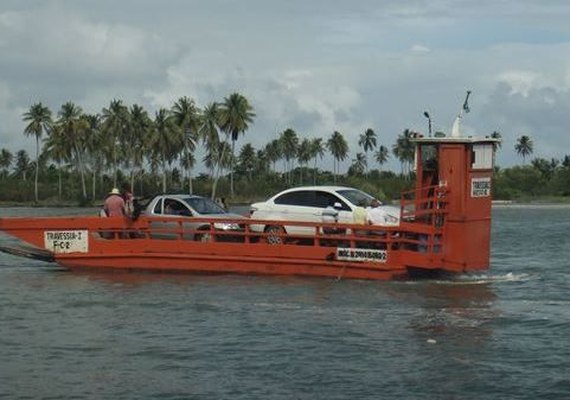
{"x":139,"y":130}
{"x":57,"y":148}
{"x":358,"y":166}
{"x":403,"y":149}
{"x":6,"y":158}
{"x":273,"y":152}
{"x":368,"y":142}
{"x":261,"y":162}
{"x":289,"y":142}
{"x":524,"y":147}
{"x":210,"y":133}
{"x":187,"y":116}
{"x":338,"y":148}
{"x":217,"y":159}
{"x":187,"y":162}
{"x":304,"y":155}
{"x":167,"y":141}
{"x":93,"y":145}
{"x":235,"y":116}
{"x":115,"y":129}
{"x":317,"y":150}
{"x":247,"y":159}
{"x":22,"y":164}
{"x":73,"y":127}
{"x":39,"y":122}
{"x":382,"y":155}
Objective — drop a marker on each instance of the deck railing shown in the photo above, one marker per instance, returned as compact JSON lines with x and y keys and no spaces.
{"x":252,"y":231}
{"x":420,"y":230}
{"x":427,"y":205}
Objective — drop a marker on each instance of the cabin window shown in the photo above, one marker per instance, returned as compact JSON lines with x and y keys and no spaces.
{"x":429,"y":157}
{"x":482,"y":156}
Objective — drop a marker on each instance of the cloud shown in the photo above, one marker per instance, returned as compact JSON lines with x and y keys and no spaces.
{"x":519,"y":81}
{"x":538,"y":112}
{"x":314,"y":66}
{"x":52,"y":46}
{"x":418,"y":48}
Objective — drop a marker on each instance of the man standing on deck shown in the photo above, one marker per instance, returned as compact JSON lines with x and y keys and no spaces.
{"x":114,"y":204}
{"x":374,"y":214}
{"x":129,"y":199}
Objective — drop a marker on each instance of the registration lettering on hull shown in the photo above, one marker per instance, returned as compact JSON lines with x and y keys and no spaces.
{"x":371,"y":255}
{"x":67,"y":241}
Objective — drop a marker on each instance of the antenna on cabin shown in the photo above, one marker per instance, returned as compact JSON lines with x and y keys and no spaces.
{"x":456,"y":129}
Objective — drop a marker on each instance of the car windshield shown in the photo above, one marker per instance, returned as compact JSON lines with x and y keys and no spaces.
{"x":203,"y":205}
{"x":356,"y":197}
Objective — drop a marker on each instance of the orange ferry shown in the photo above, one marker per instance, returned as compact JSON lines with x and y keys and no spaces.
{"x":445,"y":225}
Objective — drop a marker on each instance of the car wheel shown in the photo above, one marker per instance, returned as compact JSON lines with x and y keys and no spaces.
{"x":273,"y":234}
{"x":205,"y":237}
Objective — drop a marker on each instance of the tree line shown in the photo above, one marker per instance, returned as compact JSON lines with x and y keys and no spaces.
{"x":123,"y":143}
{"x":83,"y":155}
{"x":542,"y":178}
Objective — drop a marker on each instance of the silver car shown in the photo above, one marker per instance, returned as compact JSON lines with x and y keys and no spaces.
{"x":191,"y":206}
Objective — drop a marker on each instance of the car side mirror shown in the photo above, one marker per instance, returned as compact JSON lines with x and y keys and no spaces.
{"x":337,"y":205}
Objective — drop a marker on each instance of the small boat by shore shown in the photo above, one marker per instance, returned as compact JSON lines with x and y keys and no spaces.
{"x":502,"y":202}
{"x":445,"y":226}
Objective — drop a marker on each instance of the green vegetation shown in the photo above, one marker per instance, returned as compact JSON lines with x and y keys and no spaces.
{"x":542,"y":180}
{"x":80,"y":156}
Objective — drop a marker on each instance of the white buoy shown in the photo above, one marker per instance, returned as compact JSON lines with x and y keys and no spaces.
{"x":431,"y":341}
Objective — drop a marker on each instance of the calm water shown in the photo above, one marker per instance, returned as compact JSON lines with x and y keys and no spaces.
{"x":500,"y":335}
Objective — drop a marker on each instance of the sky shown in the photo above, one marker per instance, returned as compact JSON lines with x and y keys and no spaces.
{"x":315,"y":66}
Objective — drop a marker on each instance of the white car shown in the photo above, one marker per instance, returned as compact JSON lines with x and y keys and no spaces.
{"x":313,"y":204}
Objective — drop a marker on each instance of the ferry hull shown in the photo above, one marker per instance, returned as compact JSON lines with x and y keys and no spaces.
{"x":230,"y":265}
{"x":120,"y":244}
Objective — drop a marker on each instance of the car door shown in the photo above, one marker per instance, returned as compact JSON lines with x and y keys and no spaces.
{"x":169,"y":208}
{"x":298,"y":205}
{"x":325,"y":199}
